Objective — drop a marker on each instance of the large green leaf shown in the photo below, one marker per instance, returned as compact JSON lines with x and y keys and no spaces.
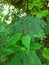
{"x":25,"y":58}
{"x":5,"y":51}
{"x":26,"y":41}
{"x":14,"y":39}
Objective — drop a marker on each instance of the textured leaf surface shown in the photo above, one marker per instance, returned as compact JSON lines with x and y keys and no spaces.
{"x":5,"y":51}
{"x":14,"y":39}
{"x":25,"y":58}
{"x":26,"y":41}
{"x":8,"y":51}
{"x":36,"y":46}
{"x":32,"y":25}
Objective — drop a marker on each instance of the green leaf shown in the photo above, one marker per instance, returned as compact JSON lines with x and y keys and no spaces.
{"x":14,"y":39}
{"x":46,"y":53}
{"x":25,"y":58}
{"x":10,"y":50}
{"x":36,"y":60}
{"x":16,"y":60}
{"x":5,"y":51}
{"x":36,"y":46}
{"x":30,"y":6}
{"x":26,"y":41}
{"x":43,"y":13}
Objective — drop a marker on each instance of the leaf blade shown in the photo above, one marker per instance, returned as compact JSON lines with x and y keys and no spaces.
{"x":26,"y":41}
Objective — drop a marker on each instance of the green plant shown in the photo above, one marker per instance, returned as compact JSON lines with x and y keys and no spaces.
{"x":18,"y":45}
{"x":31,"y":25}
{"x":22,"y":42}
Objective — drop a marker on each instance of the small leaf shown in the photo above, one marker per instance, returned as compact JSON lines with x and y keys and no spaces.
{"x":36,"y":46}
{"x":46,"y":53}
{"x":30,"y":6}
{"x":26,"y":41}
{"x":43,"y":13}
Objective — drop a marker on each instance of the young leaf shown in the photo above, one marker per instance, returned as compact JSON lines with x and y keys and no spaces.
{"x":36,"y":46}
{"x":26,"y":41}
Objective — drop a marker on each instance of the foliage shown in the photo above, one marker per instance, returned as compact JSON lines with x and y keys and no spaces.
{"x":24,"y":40}
{"x":31,"y":25}
{"x":20,"y":42}
{"x":46,"y":53}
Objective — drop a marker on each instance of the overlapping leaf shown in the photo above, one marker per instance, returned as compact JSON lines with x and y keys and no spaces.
{"x":25,"y":58}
